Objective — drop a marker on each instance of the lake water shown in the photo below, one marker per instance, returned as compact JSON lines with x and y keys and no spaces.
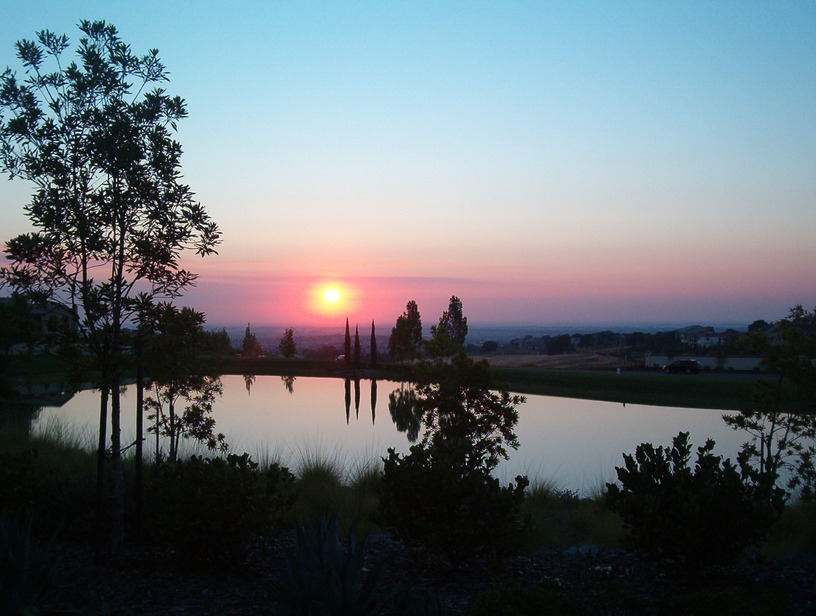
{"x":575,"y":443}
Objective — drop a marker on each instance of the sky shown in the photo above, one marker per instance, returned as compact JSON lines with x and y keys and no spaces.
{"x":546,"y":162}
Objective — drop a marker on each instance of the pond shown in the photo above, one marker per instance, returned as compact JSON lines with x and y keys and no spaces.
{"x":574,"y":443}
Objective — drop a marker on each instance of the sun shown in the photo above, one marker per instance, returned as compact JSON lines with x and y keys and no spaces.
{"x":331,"y":298}
{"x":331,"y":295}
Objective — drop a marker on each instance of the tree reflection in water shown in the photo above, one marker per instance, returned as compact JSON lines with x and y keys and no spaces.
{"x":289,"y":383}
{"x":405,"y":412}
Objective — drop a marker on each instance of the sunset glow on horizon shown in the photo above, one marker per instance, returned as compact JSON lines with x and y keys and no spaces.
{"x":545,"y":162}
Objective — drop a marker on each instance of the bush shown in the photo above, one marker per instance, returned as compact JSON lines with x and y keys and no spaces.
{"x":429,"y":501}
{"x":706,"y":514}
{"x":211,"y":509}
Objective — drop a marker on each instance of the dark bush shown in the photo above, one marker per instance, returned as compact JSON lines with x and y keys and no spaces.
{"x":211,"y":509}
{"x":428,"y":501}
{"x":708,"y":513}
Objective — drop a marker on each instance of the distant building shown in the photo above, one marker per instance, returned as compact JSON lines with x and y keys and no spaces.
{"x":43,"y":319}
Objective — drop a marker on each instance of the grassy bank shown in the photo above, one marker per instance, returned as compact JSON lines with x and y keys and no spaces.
{"x":727,"y":392}
{"x":714,"y":391}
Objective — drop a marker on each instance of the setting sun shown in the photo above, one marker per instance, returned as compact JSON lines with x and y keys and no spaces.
{"x":331,"y":295}
{"x":331,"y":298}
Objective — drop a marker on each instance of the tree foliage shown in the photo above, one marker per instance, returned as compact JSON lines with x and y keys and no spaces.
{"x":782,"y":421}
{"x":406,"y":335}
{"x":373,"y":352}
{"x":179,"y":377}
{"x":95,"y":136}
{"x":454,"y":322}
{"x":442,"y":494}
{"x":287,"y":346}
{"x":250,"y":347}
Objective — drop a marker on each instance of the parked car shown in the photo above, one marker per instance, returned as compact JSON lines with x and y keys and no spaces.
{"x":689,"y":366}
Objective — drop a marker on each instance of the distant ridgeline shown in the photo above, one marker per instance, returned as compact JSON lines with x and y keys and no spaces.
{"x":314,"y":337}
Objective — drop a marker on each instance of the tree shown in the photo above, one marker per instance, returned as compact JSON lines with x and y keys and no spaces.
{"x":399,"y":343}
{"x":782,"y":424}
{"x":559,"y":345}
{"x":111,"y":216}
{"x":179,"y":377}
{"x":356,"y":347}
{"x":347,"y":346}
{"x":406,"y":335}
{"x":411,"y":315}
{"x":442,"y":493}
{"x":287,"y":346}
{"x":454,"y":322}
{"x":250,"y":347}
{"x":373,"y":346}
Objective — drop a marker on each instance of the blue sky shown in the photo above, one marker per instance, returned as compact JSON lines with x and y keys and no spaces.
{"x":545,"y":161}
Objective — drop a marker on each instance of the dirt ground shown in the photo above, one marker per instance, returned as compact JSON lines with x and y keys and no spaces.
{"x":571,"y":361}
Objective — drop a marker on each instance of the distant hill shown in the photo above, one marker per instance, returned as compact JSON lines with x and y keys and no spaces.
{"x":316,"y":337}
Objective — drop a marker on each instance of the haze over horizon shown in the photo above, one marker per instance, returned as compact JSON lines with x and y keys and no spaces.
{"x":578,"y":162}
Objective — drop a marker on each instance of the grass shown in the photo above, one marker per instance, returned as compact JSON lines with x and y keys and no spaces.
{"x":714,"y":391}
{"x":724,"y":392}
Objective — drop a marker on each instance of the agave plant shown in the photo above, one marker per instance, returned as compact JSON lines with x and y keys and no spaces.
{"x":322,"y":577}
{"x":26,"y":573}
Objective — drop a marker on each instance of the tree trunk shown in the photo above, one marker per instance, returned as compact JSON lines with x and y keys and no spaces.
{"x":137,"y":527}
{"x":118,"y":505}
{"x":100,"y":469}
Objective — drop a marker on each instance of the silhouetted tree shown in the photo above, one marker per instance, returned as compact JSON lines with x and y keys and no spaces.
{"x":216,"y":342}
{"x":406,"y":335}
{"x":558,"y":345}
{"x":348,"y":345}
{"x":490,"y":346}
{"x":97,"y":142}
{"x":399,"y":343}
{"x":250,"y":346}
{"x":454,"y":322}
{"x":373,"y":346}
{"x":356,"y":347}
{"x":411,"y":314}
{"x":287,"y":346}
{"x":782,"y":423}
{"x":179,"y":377}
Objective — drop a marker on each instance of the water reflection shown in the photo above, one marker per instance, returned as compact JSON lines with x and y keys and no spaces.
{"x":348,"y":399}
{"x":576,"y":443}
{"x":373,"y":401}
{"x":289,"y":383}
{"x":405,"y":412}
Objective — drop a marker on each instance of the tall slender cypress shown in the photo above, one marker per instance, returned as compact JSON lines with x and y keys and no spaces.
{"x":356,"y":347}
{"x":348,"y":345}
{"x":373,"y":346}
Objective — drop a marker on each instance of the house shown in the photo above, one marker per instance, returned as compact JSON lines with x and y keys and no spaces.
{"x":25,"y":323}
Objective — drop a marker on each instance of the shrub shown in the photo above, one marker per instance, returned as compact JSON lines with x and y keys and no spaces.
{"x":705,"y":514}
{"x":428,"y":501}
{"x":212,"y":508}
